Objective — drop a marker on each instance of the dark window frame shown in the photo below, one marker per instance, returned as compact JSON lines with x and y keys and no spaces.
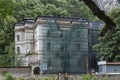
{"x":18,"y":37}
{"x":18,"y":49}
{"x":78,"y":47}
{"x":49,"y":46}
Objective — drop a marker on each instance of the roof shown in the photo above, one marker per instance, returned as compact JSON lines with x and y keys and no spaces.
{"x":62,"y":18}
{"x":108,"y":63}
{"x":28,"y":21}
{"x":95,"y":24}
{"x":113,"y":63}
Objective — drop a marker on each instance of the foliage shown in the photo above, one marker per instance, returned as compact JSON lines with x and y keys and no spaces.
{"x":77,"y":8}
{"x":49,"y":78}
{"x":27,"y":9}
{"x":93,"y":77}
{"x":9,"y":77}
{"x":33,"y":8}
{"x":89,"y":77}
{"x":21,"y":78}
{"x":6,"y":32}
{"x":106,"y":78}
{"x":6,"y":21}
{"x":109,"y":45}
{"x":114,"y":14}
{"x":84,"y":77}
{"x":6,"y":9}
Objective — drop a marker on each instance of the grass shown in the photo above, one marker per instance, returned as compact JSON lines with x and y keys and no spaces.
{"x":72,"y":77}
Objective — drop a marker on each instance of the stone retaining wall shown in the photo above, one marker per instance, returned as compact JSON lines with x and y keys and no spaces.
{"x":16,"y":71}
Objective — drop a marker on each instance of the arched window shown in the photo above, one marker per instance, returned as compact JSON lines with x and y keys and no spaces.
{"x":18,"y":49}
{"x":18,"y":37}
{"x":37,"y":70}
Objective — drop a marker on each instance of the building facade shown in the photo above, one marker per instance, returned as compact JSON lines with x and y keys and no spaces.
{"x":62,"y":43}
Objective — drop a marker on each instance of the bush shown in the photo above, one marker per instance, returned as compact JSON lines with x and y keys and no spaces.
{"x":21,"y":78}
{"x":89,"y":77}
{"x":106,"y":78}
{"x":49,"y":78}
{"x":9,"y":77}
{"x":92,"y":77}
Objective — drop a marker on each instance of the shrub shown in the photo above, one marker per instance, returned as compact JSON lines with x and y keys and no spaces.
{"x":21,"y":78}
{"x":106,"y":78}
{"x":89,"y":77}
{"x":9,"y":77}
{"x":49,"y":78}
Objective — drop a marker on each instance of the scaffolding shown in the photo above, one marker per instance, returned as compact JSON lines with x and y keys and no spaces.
{"x":65,"y":50}
{"x":94,"y":33}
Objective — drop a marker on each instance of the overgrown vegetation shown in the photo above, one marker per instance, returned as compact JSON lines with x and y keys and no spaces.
{"x":109,"y":45}
{"x":84,"y":77}
{"x":9,"y":77}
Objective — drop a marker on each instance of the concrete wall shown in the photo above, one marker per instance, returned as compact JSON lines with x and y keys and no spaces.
{"x":16,"y":71}
{"x":105,"y":67}
{"x":113,"y":69}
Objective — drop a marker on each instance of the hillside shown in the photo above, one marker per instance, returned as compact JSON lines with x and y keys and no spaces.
{"x":107,"y":5}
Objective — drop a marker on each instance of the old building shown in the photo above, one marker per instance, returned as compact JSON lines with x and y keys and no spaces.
{"x":60,"y":43}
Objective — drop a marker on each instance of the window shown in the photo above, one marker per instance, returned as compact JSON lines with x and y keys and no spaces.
{"x":48,"y":46}
{"x":78,"y":47}
{"x":18,"y":49}
{"x":48,"y":62}
{"x":78,"y":33}
{"x":61,"y":34}
{"x":18,"y":37}
{"x":48,"y":33}
{"x":62,"y":47}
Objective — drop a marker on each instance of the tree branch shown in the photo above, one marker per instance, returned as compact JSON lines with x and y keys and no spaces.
{"x":109,"y":24}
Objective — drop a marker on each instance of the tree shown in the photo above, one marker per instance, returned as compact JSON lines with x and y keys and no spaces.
{"x":76,"y":8}
{"x":6,"y":32}
{"x":109,"y":45}
{"x":52,"y":10}
{"x":27,"y":9}
{"x":34,"y":8}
